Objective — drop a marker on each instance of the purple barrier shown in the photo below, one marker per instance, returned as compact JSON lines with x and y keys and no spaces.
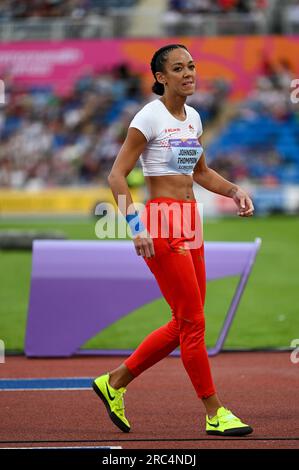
{"x":78,"y":288}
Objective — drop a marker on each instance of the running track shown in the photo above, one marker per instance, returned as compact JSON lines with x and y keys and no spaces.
{"x":260,"y":387}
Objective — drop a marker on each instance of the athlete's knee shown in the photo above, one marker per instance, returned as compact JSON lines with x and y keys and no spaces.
{"x":172,"y":328}
{"x":192,"y":324}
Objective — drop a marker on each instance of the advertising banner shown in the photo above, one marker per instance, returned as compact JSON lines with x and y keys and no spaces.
{"x":238,"y":60}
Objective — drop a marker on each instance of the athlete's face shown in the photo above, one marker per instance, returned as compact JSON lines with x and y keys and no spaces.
{"x":179,"y":73}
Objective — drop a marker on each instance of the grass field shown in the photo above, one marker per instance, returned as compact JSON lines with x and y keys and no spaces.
{"x":268,"y":315}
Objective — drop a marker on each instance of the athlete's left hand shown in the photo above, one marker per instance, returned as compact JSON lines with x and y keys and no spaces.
{"x":243,"y":202}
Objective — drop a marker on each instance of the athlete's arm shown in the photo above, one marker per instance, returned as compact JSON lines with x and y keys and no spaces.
{"x":212,"y":181}
{"x":125,"y":161}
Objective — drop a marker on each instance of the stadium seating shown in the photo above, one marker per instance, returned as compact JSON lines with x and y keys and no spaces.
{"x":258,"y":138}
{"x":255,"y":144}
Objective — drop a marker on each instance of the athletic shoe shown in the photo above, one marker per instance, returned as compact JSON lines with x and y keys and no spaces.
{"x":226,"y":424}
{"x":113,"y":400}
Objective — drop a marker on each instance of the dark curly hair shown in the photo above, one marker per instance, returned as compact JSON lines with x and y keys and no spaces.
{"x":157,"y":64}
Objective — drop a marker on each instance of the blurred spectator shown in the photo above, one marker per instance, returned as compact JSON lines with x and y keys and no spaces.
{"x":229,"y":5}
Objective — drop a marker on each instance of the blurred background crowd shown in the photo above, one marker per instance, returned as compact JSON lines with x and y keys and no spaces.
{"x":58,"y":8}
{"x":59,"y":19}
{"x":49,"y":140}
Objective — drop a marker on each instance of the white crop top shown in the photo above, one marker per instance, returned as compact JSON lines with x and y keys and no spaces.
{"x":173,"y":146}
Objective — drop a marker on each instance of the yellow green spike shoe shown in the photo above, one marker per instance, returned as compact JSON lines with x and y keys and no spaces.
{"x":113,"y":400}
{"x":226,"y":424}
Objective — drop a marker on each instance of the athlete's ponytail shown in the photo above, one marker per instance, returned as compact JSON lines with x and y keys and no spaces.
{"x":158,"y":88}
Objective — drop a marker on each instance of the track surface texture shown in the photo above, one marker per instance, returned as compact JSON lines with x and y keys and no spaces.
{"x":164,"y":411}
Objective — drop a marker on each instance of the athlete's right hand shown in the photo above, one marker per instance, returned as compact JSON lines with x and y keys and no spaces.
{"x":144,"y":244}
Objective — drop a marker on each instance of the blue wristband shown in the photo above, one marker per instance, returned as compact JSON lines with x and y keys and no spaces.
{"x":135,"y":223}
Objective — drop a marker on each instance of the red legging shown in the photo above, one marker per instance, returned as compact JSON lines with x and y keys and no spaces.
{"x":180,"y":273}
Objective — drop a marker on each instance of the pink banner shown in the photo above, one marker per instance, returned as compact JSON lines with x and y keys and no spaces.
{"x":237,"y":59}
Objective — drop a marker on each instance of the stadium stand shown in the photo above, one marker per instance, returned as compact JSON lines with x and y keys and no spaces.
{"x":57,"y":19}
{"x":58,"y":8}
{"x":261,"y":142}
{"x":47,"y":140}
{"x":290,"y":18}
{"x":218,"y":17}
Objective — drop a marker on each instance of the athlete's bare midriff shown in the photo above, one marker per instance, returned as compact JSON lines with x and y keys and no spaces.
{"x":172,"y":186}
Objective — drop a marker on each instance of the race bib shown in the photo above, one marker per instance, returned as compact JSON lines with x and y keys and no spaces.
{"x":185,"y":153}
